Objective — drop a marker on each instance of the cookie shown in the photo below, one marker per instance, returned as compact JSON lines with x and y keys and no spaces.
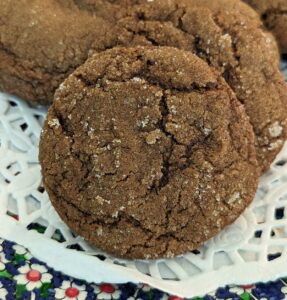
{"x":228,"y":36}
{"x":274,"y":16}
{"x":147,"y":153}
{"x":42,"y":42}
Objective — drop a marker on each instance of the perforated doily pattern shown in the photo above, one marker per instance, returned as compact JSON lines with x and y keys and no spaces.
{"x":254,"y":248}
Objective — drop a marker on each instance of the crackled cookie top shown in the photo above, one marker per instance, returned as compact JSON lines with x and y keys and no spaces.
{"x":274,"y":15}
{"x":228,"y":36}
{"x":42,"y":42}
{"x":147,"y":153}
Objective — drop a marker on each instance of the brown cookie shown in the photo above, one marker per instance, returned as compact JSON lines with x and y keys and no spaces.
{"x":274,"y":16}
{"x":41,"y":42}
{"x":228,"y":35}
{"x":147,"y":153}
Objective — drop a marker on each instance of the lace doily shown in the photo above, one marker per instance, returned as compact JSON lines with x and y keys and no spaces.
{"x":253,"y":249}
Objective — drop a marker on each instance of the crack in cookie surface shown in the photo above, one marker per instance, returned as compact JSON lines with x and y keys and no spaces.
{"x":273,"y":13}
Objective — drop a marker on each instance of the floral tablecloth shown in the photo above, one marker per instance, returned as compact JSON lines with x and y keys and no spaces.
{"x":22,"y":276}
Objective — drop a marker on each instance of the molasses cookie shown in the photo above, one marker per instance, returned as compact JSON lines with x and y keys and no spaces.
{"x":274,"y":15}
{"x":228,"y":36}
{"x":147,"y":153}
{"x":41,"y":42}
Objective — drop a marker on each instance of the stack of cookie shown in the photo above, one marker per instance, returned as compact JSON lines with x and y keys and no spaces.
{"x":163,"y":114}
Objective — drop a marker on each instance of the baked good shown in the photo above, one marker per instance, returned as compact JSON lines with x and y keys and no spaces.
{"x":274,"y":16}
{"x":147,"y":153}
{"x":228,"y":35}
{"x":42,"y":42}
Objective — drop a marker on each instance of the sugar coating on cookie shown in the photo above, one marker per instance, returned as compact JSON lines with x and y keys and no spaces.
{"x":147,"y":153}
{"x":228,"y":35}
{"x":273,"y":13}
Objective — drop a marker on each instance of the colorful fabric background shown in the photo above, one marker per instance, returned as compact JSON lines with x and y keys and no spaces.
{"x":24,"y":277}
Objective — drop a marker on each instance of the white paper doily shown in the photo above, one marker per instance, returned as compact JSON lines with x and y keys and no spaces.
{"x":253,"y":249}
